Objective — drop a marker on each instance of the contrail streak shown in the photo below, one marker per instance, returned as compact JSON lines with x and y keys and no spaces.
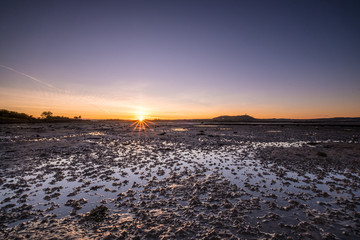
{"x":28,"y":76}
{"x":53,"y":87}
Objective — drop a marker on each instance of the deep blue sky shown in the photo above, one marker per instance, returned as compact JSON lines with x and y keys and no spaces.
{"x":181,"y":59}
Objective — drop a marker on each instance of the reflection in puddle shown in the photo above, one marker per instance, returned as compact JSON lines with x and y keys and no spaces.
{"x":179,"y":129}
{"x":169,"y":178}
{"x":213,"y":180}
{"x":209,"y":126}
{"x":59,"y":138}
{"x":130,"y":168}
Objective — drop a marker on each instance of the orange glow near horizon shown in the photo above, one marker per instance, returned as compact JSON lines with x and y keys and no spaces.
{"x":34,"y":102}
{"x":140,"y":114}
{"x":97,"y":114}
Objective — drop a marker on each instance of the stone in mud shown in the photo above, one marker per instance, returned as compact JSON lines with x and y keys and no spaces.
{"x":110,"y":237}
{"x":97,"y":214}
{"x":76,"y":204}
{"x":49,"y":197}
{"x":321,"y":154}
{"x":328,"y":236}
{"x":194,"y":201}
{"x":94,"y":188}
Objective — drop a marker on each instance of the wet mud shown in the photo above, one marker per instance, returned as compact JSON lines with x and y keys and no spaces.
{"x":179,"y":180}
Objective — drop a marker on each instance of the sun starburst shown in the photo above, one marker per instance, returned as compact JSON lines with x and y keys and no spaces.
{"x":141,"y":124}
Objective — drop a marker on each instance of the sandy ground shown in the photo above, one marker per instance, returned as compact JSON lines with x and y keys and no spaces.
{"x":103,"y":180}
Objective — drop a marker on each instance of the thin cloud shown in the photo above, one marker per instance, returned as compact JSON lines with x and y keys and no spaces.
{"x":98,"y":102}
{"x":32,"y":78}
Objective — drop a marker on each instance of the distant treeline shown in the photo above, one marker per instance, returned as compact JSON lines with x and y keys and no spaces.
{"x":7,"y":116}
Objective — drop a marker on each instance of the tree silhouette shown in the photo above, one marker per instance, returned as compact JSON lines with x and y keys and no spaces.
{"x":46,"y":114}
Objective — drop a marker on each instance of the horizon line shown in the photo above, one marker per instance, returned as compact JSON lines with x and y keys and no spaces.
{"x":71,"y":116}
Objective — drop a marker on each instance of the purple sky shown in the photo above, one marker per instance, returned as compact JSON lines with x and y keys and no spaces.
{"x":181,"y":59}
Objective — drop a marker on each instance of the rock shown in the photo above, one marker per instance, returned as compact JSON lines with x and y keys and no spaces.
{"x":97,"y":214}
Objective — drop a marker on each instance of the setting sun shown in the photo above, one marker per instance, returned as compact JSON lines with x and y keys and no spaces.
{"x":140,"y":114}
{"x":141,"y":124}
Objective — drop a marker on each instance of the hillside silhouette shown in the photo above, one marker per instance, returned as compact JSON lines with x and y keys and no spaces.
{"x":240,"y":118}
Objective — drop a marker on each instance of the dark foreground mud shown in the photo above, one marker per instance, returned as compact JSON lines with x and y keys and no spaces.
{"x":102,"y":180}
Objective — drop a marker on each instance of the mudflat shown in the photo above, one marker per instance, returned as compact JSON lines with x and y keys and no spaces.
{"x":179,"y":179}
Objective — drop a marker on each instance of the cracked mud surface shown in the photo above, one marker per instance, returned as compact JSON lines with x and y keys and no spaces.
{"x":102,"y":180}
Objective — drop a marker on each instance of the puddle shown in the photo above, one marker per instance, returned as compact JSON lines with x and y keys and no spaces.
{"x":76,"y":178}
{"x":176,"y":180}
{"x":179,"y":129}
{"x":208,"y":126}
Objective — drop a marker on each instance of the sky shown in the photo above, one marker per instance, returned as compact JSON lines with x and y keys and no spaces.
{"x":181,"y":59}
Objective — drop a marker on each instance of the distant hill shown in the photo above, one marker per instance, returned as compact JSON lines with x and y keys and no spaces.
{"x":246,"y":119}
{"x":241,"y":118}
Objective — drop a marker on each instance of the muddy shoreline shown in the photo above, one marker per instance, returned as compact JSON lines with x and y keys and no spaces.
{"x":179,"y":180}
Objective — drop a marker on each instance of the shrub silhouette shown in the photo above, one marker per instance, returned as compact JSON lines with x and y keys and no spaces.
{"x":47,"y":115}
{"x":7,"y":116}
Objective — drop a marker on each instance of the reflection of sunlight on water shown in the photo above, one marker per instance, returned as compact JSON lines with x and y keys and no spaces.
{"x":179,"y":129}
{"x":210,"y":126}
{"x":59,"y":138}
{"x":96,"y":133}
{"x":278,"y":144}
